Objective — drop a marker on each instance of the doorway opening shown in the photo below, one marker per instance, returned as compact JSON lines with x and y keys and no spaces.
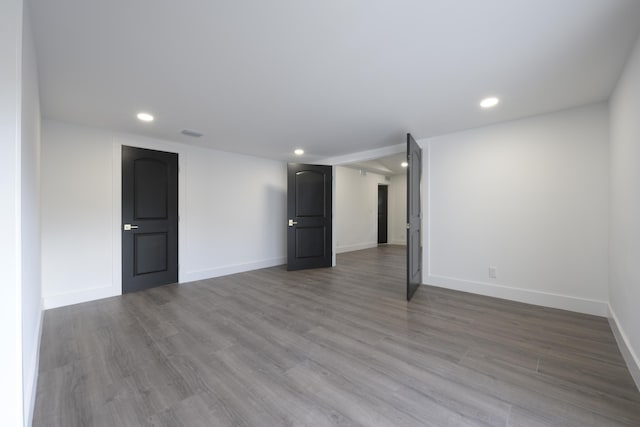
{"x":370,"y":214}
{"x":369,"y":196}
{"x":383,"y":214}
{"x":370,"y":203}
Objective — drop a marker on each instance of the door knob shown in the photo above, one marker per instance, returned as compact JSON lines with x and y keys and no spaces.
{"x":129,"y":227}
{"x":292,"y":223}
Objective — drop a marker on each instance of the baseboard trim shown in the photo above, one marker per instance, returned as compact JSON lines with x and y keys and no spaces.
{"x":398,"y":242}
{"x":192,"y":276}
{"x":357,"y":247}
{"x":564,"y":302}
{"x":35,"y":365}
{"x":630,"y":356}
{"x":77,"y":297}
{"x":85,"y":295}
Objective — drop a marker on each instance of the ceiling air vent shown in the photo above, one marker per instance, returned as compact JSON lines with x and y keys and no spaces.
{"x":192,"y":133}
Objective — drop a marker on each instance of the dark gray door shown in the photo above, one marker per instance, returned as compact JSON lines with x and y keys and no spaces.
{"x":149,"y":218}
{"x":309,"y":216}
{"x":383,"y":195}
{"x":414,"y":240}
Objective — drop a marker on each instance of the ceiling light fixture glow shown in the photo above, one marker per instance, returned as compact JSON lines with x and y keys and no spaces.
{"x":489,"y":102}
{"x":145,"y":117}
{"x":404,"y":164}
{"x":299,"y":152}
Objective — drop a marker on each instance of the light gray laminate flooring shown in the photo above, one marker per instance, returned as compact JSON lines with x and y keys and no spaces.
{"x":325,"y":347}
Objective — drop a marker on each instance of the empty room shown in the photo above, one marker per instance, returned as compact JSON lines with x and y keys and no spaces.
{"x":295,"y":213}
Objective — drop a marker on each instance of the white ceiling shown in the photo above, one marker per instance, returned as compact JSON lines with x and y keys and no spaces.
{"x":388,"y":166}
{"x":333,"y":77}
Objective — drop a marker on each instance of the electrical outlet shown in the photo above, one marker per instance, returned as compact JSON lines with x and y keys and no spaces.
{"x":492,"y":272}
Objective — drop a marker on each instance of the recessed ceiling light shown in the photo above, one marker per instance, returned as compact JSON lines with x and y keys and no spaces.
{"x":145,"y":117}
{"x":299,"y":152}
{"x":489,"y":102}
{"x":404,"y":164}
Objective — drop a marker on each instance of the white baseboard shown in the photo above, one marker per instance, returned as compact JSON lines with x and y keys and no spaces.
{"x":398,"y":242}
{"x":35,"y":365}
{"x":564,"y":302}
{"x":85,"y":295}
{"x":70,"y":298}
{"x":630,"y":356}
{"x":357,"y":247}
{"x":192,"y":276}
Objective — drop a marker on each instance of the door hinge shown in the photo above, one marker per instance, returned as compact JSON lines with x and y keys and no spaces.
{"x":408,"y":226}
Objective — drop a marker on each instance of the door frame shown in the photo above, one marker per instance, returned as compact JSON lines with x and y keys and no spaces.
{"x":150,"y":144}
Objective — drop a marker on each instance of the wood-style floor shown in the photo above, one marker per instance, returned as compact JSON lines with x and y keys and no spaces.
{"x":328,"y":347}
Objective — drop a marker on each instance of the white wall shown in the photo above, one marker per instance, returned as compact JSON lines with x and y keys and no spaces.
{"x":356,"y":218}
{"x":10,"y":229}
{"x":529,"y":197}
{"x":30,"y":208}
{"x":624,"y":255}
{"x":232,"y":212}
{"x":20,"y":294}
{"x":236,"y":213}
{"x":77,"y":214}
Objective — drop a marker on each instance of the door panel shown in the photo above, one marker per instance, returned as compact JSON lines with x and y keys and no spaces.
{"x":151,"y":189}
{"x":149,"y":218}
{"x":414,"y":237}
{"x":310,"y":197}
{"x":309,"y":213}
{"x":150,"y":252}
{"x":310,"y":242}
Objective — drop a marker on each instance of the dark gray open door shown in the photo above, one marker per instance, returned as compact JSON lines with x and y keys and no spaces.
{"x":309,"y":216}
{"x":149,"y":218}
{"x":414,"y":238}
